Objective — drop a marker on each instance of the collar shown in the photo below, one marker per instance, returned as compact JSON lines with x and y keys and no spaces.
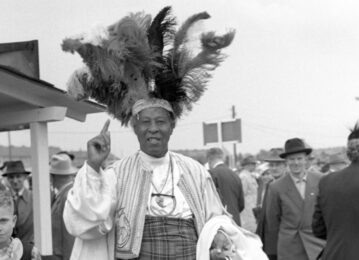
{"x":153,"y":162}
{"x":21,"y":192}
{"x":297,"y":180}
{"x":218,"y":163}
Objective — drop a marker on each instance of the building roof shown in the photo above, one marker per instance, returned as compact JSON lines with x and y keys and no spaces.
{"x":21,"y":93}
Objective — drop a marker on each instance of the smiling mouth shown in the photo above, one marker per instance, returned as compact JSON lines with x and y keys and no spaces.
{"x":153,"y":140}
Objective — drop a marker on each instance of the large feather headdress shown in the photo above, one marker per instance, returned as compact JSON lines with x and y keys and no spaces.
{"x":140,"y":58}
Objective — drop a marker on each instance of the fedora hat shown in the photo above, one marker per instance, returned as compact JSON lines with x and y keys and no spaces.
{"x":295,"y":145}
{"x":249,"y":160}
{"x":14,"y":167}
{"x":274,"y":155}
{"x":61,"y":164}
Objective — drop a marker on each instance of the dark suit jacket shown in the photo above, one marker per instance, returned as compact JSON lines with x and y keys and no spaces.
{"x":61,"y":239}
{"x":230,"y":189}
{"x":336,"y":216}
{"x":24,"y":228}
{"x":289,"y":220}
{"x":262,"y":229}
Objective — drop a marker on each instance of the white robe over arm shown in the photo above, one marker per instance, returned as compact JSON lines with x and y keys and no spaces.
{"x":89,"y":213}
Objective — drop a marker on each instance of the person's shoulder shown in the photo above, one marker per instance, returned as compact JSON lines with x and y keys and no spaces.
{"x":185,"y":159}
{"x":280,"y":183}
{"x":190,"y":164}
{"x":334,"y":177}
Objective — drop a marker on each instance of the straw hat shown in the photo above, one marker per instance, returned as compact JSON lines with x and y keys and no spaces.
{"x":61,"y":164}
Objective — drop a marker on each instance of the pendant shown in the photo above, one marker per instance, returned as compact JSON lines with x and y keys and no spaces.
{"x":160,"y":201}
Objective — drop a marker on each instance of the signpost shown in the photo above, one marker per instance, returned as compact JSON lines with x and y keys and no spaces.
{"x":224,"y":131}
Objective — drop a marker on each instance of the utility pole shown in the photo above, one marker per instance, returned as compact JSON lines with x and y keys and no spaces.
{"x":234,"y":114}
{"x":9,"y":142}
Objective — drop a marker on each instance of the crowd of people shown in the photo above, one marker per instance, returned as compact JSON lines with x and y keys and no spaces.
{"x":16,"y":195}
{"x":157,"y":204}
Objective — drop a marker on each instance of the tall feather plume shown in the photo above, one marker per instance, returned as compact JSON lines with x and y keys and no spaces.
{"x":161,"y":31}
{"x":168,"y":81}
{"x":120,"y":65}
{"x":123,"y":60}
{"x":181,"y":34}
{"x":184,"y":78}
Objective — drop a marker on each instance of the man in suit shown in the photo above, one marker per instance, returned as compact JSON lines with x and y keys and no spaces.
{"x":227,"y":182}
{"x":290,"y":207}
{"x":62,"y":174}
{"x":337,"y":209}
{"x":16,"y":175}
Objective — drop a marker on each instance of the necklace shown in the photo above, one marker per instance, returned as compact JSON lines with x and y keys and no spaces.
{"x":159,"y":197}
{"x":164,"y":184}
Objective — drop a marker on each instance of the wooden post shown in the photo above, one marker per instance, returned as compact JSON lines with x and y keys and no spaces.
{"x":41,"y":187}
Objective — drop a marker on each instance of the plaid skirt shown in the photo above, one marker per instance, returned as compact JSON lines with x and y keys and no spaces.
{"x":168,"y":238}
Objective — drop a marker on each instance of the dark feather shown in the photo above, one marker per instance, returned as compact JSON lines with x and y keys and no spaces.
{"x":161,"y":30}
{"x":354,"y":132}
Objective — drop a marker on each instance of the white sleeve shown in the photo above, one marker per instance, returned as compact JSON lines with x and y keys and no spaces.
{"x":90,"y":205}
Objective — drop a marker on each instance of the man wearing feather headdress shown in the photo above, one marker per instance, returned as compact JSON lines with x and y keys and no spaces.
{"x":153,"y":204}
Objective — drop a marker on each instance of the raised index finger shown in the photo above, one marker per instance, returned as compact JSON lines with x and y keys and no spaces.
{"x":105,"y":127}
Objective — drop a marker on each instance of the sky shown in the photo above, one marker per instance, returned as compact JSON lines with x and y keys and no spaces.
{"x":292,"y":69}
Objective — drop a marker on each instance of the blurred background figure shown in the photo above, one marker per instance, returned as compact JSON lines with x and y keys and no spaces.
{"x":277,"y":165}
{"x":276,"y":170}
{"x":16,"y":176}
{"x":250,"y":187}
{"x":62,"y":173}
{"x":336,"y":163}
{"x":228,"y":184}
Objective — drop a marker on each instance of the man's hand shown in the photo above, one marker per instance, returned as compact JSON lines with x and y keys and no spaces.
{"x":99,"y":147}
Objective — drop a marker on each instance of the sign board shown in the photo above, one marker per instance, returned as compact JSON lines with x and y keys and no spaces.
{"x":210,"y":133}
{"x":231,"y":131}
{"x":22,"y":57}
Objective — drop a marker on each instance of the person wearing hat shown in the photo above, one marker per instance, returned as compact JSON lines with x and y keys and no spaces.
{"x":336,"y":211}
{"x":16,"y":176}
{"x":290,"y":207}
{"x":276,"y":170}
{"x":336,"y":163}
{"x":250,"y":187}
{"x":62,"y":173}
{"x":154,"y":203}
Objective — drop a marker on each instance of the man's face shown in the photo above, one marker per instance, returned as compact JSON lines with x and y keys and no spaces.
{"x":7,"y":224}
{"x":251,"y":167}
{"x":277,"y":169}
{"x":297,"y":163}
{"x":17,"y":180}
{"x":153,"y":128}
